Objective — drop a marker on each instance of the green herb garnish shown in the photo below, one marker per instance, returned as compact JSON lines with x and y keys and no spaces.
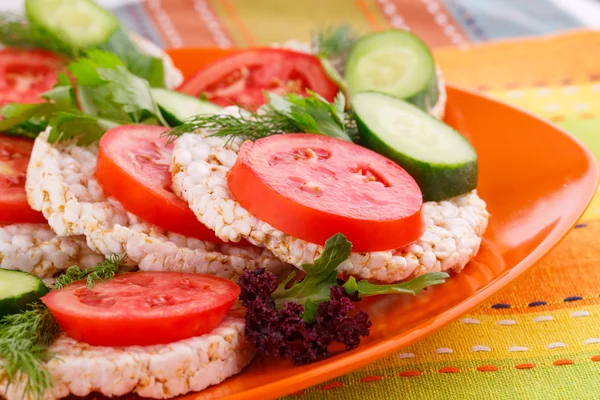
{"x":26,"y":336}
{"x":103,"y":271}
{"x":24,"y":341}
{"x":145,"y":66}
{"x":333,"y":43}
{"x":115,"y":93}
{"x":290,"y":113}
{"x":322,"y":274}
{"x":108,"y":93}
{"x":332,"y":46}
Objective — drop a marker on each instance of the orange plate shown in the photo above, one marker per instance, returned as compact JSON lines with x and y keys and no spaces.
{"x":537,"y":181}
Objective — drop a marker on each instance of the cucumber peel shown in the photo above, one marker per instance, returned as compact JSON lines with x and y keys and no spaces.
{"x":79,"y":23}
{"x":177,"y":107}
{"x":395,"y":62}
{"x":441,"y":160}
{"x":19,"y":289}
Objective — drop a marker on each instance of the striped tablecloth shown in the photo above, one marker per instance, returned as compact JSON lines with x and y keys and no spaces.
{"x":540,"y":337}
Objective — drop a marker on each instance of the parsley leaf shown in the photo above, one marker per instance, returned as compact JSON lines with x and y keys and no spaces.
{"x":322,"y":274}
{"x":142,"y":65}
{"x":313,"y":114}
{"x":414,"y":286}
{"x":132,"y":93}
{"x":26,"y":120}
{"x":62,"y":94}
{"x":107,"y":92}
{"x":85,"y":69}
{"x":116,"y":93}
{"x":319,"y":276}
{"x":68,"y":125}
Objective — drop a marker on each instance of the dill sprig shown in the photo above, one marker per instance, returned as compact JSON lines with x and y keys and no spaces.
{"x":332,"y":46}
{"x":250,"y":126}
{"x":24,"y":341}
{"x":25,"y":337}
{"x":333,"y":42}
{"x":103,"y":271}
{"x":291,"y":113}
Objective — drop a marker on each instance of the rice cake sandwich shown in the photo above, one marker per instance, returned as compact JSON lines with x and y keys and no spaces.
{"x":35,"y":61}
{"x":110,"y":332}
{"x":117,"y":194}
{"x":279,"y":191}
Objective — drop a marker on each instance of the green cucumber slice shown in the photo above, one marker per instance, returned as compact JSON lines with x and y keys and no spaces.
{"x":79,"y":23}
{"x":18,"y":289}
{"x":394,"y":62}
{"x":177,"y":107}
{"x":441,"y":160}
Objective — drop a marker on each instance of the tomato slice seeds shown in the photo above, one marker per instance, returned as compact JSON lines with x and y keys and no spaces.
{"x":26,"y":73}
{"x":14,"y":158}
{"x":133,"y":167}
{"x":142,"y":308}
{"x":243,"y":77}
{"x":312,"y":187}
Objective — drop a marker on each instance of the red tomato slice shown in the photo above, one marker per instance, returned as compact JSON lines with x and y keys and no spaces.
{"x":242,"y":77}
{"x":26,"y":73}
{"x":312,"y":187}
{"x":133,"y":167}
{"x":142,"y":308}
{"x":14,"y":158}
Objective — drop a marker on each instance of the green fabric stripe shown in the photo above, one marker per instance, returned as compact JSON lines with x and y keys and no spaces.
{"x":577,"y":381}
{"x":587,"y":130}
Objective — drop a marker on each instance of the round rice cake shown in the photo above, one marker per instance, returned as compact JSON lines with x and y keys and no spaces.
{"x":159,"y":372}
{"x":200,"y":164}
{"x":36,"y":249}
{"x":61,"y":184}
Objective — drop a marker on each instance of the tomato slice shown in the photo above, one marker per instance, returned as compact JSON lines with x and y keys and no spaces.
{"x":26,"y":73}
{"x":242,"y":77}
{"x":133,"y":167}
{"x":142,"y":308}
{"x":14,"y":158}
{"x":312,"y":187}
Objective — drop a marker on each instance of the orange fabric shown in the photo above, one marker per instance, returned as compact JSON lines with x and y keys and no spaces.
{"x":509,"y":64}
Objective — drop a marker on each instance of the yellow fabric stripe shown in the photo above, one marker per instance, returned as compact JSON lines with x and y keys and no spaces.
{"x":467,"y":339}
{"x":554,"y":101}
{"x":295,"y":19}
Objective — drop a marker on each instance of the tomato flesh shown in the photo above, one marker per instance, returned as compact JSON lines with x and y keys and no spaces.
{"x":26,"y":73}
{"x":312,"y":187}
{"x":133,"y":167}
{"x":242,"y":77}
{"x":14,"y":158}
{"x":142,"y":308}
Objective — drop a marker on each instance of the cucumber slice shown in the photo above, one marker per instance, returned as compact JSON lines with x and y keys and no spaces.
{"x":395,"y":62}
{"x":79,"y":23}
{"x":441,"y":160}
{"x":18,"y":289}
{"x":177,"y":107}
